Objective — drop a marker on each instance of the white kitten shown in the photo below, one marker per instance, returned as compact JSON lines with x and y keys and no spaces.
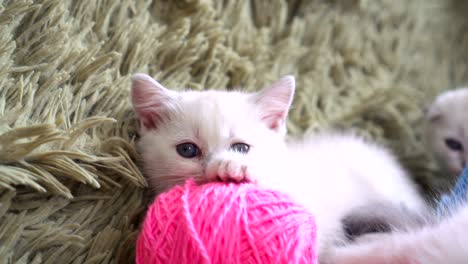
{"x":447,"y":129}
{"x":235,"y":136}
{"x":444,"y":242}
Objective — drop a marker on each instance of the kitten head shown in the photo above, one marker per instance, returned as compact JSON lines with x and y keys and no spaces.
{"x":447,"y":129}
{"x":182,"y":132}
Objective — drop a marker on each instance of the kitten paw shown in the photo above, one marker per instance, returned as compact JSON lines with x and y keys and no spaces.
{"x":229,"y":171}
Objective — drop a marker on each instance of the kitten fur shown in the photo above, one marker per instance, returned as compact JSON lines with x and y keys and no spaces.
{"x":328,"y":173}
{"x":435,"y":241}
{"x":446,"y":119}
{"x":443,"y":242}
{"x":374,"y":218}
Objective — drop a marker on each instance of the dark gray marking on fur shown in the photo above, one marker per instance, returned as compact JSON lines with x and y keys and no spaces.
{"x":380,"y":218}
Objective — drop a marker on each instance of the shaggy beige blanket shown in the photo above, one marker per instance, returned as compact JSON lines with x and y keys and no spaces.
{"x":70,"y":189}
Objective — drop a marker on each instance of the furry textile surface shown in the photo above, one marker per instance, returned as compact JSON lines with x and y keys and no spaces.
{"x":70,"y":187}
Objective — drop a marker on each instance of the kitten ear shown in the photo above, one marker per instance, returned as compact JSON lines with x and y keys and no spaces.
{"x":274,"y":102}
{"x":150,"y":100}
{"x":432,"y":114}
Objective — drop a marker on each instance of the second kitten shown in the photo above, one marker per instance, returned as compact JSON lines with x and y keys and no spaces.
{"x":447,"y":130}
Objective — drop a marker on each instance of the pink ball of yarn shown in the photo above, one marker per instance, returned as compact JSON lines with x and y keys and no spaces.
{"x":226,"y":223}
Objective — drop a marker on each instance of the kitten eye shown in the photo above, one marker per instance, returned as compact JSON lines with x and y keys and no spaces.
{"x":240,"y":147}
{"x":453,"y":144}
{"x":188,"y":150}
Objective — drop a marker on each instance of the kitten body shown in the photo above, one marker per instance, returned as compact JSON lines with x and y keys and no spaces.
{"x":332,"y":173}
{"x":328,"y":173}
{"x":363,"y":223}
{"x":442,"y":242}
{"x":447,"y":130}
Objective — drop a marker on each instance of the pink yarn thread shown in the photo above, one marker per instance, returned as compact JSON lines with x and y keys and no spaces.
{"x":226,"y":223}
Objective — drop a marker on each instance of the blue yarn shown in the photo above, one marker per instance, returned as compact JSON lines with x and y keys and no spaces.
{"x":450,"y":202}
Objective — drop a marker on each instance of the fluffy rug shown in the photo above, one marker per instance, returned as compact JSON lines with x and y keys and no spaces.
{"x":70,"y":187}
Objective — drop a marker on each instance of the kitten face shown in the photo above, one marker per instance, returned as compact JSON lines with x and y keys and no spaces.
{"x":209,"y":135}
{"x":447,"y":129}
